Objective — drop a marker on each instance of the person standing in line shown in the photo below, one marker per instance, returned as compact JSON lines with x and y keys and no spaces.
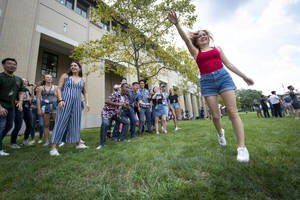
{"x":144,"y":107}
{"x":275,"y":101}
{"x":47,"y":104}
{"x":11,"y":86}
{"x":165,"y":104}
{"x":25,"y":115}
{"x":158,"y":109}
{"x":256,"y":107}
{"x":216,"y":80}
{"x":69,"y":90}
{"x":264,"y":106}
{"x":271,"y":106}
{"x":133,"y":97}
{"x":36,"y":117}
{"x":174,"y":106}
{"x":295,"y":101}
{"x":114,"y":109}
{"x":288,"y":104}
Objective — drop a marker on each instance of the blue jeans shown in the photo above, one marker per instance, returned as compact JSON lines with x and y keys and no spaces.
{"x":19,"y":116}
{"x":106,"y":124}
{"x":35,"y":116}
{"x":266,"y":113}
{"x":216,"y":82}
{"x":145,"y":110}
{"x":6,"y":124}
{"x":132,"y":116}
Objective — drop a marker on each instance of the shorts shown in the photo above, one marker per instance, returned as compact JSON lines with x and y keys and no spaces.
{"x":159,"y":110}
{"x":216,"y":82}
{"x":49,"y":107}
{"x":175,"y":106}
{"x":256,"y":108}
{"x":296,"y":104}
{"x":288,"y":104}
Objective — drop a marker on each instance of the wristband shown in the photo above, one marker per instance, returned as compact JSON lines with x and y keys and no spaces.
{"x":60,"y":100}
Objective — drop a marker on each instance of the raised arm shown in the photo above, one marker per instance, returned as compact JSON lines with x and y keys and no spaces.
{"x":174,"y":20}
{"x":232,"y":68}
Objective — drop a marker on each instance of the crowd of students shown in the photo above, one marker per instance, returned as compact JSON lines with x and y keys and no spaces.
{"x":63,"y":103}
{"x":288,"y":104}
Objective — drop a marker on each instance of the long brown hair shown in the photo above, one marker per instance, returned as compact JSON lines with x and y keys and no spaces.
{"x":195,"y":35}
{"x":70,"y":73}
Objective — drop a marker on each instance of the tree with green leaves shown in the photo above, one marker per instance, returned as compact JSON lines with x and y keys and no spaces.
{"x":246,"y":98}
{"x":138,"y":43}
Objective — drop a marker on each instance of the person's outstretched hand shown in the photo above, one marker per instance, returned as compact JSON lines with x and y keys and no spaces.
{"x":173,"y":17}
{"x":249,"y":81}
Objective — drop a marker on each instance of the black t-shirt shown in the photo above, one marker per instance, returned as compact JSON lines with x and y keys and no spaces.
{"x":173,"y":98}
{"x":157,"y":100}
{"x":10,"y":86}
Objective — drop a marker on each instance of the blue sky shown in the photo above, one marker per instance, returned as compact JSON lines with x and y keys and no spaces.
{"x":260,"y":37}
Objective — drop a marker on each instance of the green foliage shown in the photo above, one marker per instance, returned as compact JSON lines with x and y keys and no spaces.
{"x":138,"y":40}
{"x":246,"y":98}
{"x":186,"y":164}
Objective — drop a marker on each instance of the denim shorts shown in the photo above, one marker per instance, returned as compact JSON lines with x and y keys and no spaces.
{"x":175,"y":106}
{"x":216,"y":82}
{"x":159,"y":110}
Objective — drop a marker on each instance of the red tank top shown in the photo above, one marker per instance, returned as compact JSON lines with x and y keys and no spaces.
{"x":209,"y":61}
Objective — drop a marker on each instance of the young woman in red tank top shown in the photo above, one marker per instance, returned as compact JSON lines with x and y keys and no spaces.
{"x":216,"y":80}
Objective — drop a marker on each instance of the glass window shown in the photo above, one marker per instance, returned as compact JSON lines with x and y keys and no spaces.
{"x":49,"y":64}
{"x":68,"y":3}
{"x":82,"y":8}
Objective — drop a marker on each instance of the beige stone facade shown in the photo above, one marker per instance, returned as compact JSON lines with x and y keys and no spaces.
{"x":31,"y":30}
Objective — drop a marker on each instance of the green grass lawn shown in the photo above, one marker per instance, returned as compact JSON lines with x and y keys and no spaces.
{"x":188,"y":164}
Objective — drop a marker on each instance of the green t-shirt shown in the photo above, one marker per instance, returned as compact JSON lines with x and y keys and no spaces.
{"x":10,"y":86}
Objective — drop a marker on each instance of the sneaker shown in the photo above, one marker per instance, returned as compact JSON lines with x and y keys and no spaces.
{"x":162,"y":129}
{"x":157,"y":133}
{"x":40,"y":141}
{"x":15,"y":146}
{"x":243,"y":154}
{"x":54,"y":152}
{"x":176,"y":129}
{"x":32,"y":141}
{"x":222,"y":140}
{"x":296,"y":118}
{"x":46,"y":144}
{"x":99,"y":147}
{"x":26,"y":143}
{"x":81,"y":146}
{"x":81,"y":141}
{"x":3,"y":153}
{"x":61,"y":144}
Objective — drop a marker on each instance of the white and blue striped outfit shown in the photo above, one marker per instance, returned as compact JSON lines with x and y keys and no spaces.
{"x":70,"y":117}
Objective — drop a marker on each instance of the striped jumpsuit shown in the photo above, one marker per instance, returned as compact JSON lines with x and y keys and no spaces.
{"x":69,"y":119}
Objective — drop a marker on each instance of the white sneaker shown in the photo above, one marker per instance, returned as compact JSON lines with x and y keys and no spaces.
{"x":81,"y":141}
{"x":162,"y":129}
{"x":81,"y":146}
{"x":15,"y":146}
{"x":40,"y":141}
{"x":54,"y":152}
{"x":296,"y":118}
{"x":176,"y":129}
{"x":243,"y":154}
{"x":32,"y":142}
{"x":3,"y":153}
{"x":222,"y":140}
{"x":26,"y":143}
{"x":99,"y":147}
{"x":157,"y":133}
{"x":61,"y":144}
{"x":46,"y":144}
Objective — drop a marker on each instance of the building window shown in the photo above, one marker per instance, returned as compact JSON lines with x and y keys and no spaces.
{"x":68,"y":3}
{"x":49,"y":64}
{"x":82,"y":8}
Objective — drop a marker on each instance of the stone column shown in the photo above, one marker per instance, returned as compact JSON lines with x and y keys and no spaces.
{"x":188,"y":103}
{"x":195,"y":106}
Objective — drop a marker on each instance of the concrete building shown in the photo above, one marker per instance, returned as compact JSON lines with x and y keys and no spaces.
{"x":41,"y":34}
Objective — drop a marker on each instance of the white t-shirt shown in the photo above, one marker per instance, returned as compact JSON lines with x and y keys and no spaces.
{"x":274,"y":99}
